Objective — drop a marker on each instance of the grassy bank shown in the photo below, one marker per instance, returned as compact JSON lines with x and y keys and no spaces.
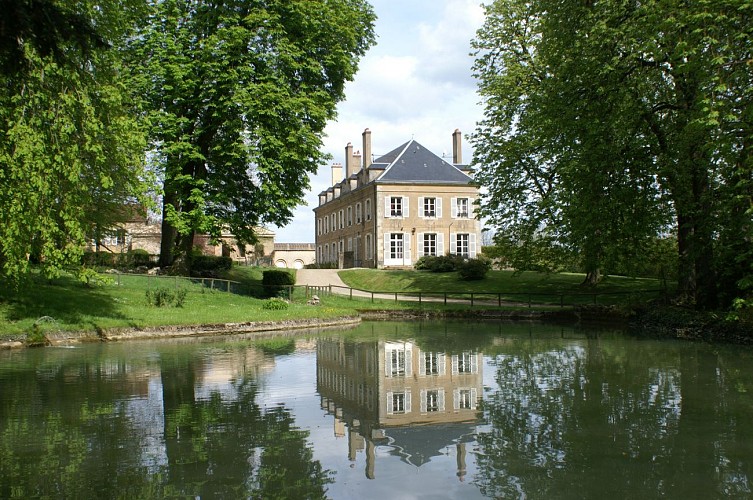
{"x":538,"y":287}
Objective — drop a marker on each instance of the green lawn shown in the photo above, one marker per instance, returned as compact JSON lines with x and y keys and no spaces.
{"x":68,"y":305}
{"x":537,"y":287}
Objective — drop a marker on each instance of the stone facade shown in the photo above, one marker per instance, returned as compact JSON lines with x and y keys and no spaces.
{"x":293,"y":255}
{"x":390,"y":212}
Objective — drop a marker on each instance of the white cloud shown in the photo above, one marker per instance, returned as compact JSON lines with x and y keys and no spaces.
{"x":415,"y":83}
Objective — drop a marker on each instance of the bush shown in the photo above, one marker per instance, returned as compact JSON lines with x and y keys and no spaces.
{"x":161,"y":297}
{"x":275,"y":304}
{"x":209,"y":265}
{"x":474,"y":269}
{"x":139,"y":257}
{"x":276,"y":282}
{"x":439,"y":263}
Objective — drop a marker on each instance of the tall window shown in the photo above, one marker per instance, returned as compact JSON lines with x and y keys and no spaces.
{"x":465,"y":363}
{"x":399,"y":402}
{"x":430,"y":207}
{"x":358,"y":213}
{"x":369,"y":248}
{"x":462,"y":247}
{"x":397,"y":362}
{"x":465,"y":399}
{"x":430,"y":244}
{"x":350,"y":216}
{"x":368,"y":209}
{"x":342,"y":219}
{"x":396,"y":206}
{"x":319,"y":226}
{"x":333,"y":221}
{"x":461,"y":208}
{"x":396,"y":245}
{"x":431,"y":363}
{"x":432,"y":400}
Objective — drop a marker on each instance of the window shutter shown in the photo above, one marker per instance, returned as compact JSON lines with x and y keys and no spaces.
{"x":454,"y":207}
{"x":423,"y":400}
{"x":408,"y":361}
{"x":406,"y":210}
{"x":456,"y":399}
{"x":442,"y":364}
{"x":440,"y":243}
{"x":422,"y":363}
{"x":472,"y":245}
{"x":441,"y":399}
{"x":453,"y":243}
{"x":387,"y":246}
{"x":406,"y":246}
{"x":454,"y":364}
{"x":438,"y":207}
{"x":407,"y":401}
{"x":421,"y":250}
{"x":420,"y":206}
{"x":390,"y":407}
{"x":474,"y":398}
{"x":387,"y":208}
{"x":474,"y":363}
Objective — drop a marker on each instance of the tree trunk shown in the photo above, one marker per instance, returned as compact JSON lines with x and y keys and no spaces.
{"x":169,"y":233}
{"x":593,"y":277}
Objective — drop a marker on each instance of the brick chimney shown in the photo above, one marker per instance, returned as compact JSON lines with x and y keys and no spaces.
{"x":457,"y":152}
{"x":337,"y":173}
{"x":366,"y":148}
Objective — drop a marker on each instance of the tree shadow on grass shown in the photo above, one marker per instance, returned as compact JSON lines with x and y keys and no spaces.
{"x":64,"y":299}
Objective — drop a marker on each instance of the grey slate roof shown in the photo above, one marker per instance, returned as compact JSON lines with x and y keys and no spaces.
{"x":412,"y":163}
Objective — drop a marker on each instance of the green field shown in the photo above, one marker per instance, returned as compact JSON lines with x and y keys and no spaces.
{"x":535,"y":287}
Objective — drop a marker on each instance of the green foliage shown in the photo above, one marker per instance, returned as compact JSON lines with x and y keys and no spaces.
{"x":202,"y":264}
{"x":277,"y":345}
{"x":238,"y":95}
{"x":165,"y":297}
{"x":474,"y":269}
{"x":140,"y":257}
{"x":71,"y":149}
{"x":608,"y":123}
{"x":275,"y":304}
{"x":277,"y":282}
{"x":439,"y":263}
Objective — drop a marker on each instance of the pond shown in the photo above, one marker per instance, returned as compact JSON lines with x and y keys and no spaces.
{"x":383,"y":410}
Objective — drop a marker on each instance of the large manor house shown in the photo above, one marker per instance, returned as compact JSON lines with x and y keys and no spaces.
{"x":389,"y":211}
{"x":385,"y":212}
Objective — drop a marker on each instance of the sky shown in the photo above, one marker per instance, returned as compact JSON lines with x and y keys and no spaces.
{"x":415,"y":83}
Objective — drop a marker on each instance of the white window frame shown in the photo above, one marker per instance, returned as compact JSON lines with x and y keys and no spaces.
{"x":359,"y":213}
{"x":465,"y":398}
{"x":432,"y":363}
{"x":471,"y":244}
{"x":368,"y":210}
{"x":432,"y":400}
{"x":350,"y":216}
{"x":369,"y":247}
{"x":393,"y":258}
{"x":465,"y":362}
{"x":423,"y":201}
{"x":396,"y":207}
{"x":397,"y":398}
{"x":461,"y":212}
{"x":438,"y":244}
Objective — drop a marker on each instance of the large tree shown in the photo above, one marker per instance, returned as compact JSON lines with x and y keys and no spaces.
{"x":71,"y":151}
{"x":240,"y":93}
{"x":606,"y":118}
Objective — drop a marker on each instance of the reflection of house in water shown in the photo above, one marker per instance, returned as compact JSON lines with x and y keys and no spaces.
{"x":395,"y":394}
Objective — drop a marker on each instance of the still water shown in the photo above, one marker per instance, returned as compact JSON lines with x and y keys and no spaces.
{"x":384,"y":410}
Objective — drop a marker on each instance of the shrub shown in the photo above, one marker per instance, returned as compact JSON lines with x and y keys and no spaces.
{"x":210,"y":265}
{"x":275,"y":304}
{"x":139,"y":257}
{"x":474,"y":269}
{"x":162,"y":297}
{"x":276,"y":282}
{"x":439,"y":263}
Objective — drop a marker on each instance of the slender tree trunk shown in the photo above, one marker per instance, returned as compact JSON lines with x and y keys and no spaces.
{"x":169,"y":233}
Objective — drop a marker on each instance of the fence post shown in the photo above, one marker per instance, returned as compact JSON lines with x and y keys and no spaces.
{"x":395,"y":296}
{"x":228,"y":286}
{"x":330,"y":289}
{"x":529,"y":301}
{"x":372,"y":297}
{"x":445,"y":298}
{"x":419,"y":298}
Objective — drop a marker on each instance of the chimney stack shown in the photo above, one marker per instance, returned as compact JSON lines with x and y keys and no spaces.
{"x":366,"y":148}
{"x":457,"y":153}
{"x":337,"y":173}
{"x":348,"y":160}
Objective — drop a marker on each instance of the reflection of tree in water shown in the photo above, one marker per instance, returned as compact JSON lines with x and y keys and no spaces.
{"x":80,"y":440}
{"x":598,"y":419}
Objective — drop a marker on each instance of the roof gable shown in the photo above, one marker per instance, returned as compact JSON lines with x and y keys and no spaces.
{"x":413,"y":163}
